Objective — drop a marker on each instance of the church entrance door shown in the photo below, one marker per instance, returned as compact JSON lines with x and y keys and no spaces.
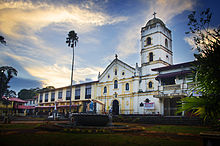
{"x":115,"y":107}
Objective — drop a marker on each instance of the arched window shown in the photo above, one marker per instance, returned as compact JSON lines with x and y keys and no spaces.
{"x":166,"y":43}
{"x":150,"y":84}
{"x":151,"y":57}
{"x":105,"y":89}
{"x":127,"y":86}
{"x":148,"y":41}
{"x":115,"y":71}
{"x":115,"y":84}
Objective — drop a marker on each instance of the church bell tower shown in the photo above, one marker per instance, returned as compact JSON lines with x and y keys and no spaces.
{"x":156,"y":45}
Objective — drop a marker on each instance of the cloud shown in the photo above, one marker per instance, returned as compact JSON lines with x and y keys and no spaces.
{"x":190,"y":39}
{"x":165,"y":9}
{"x":20,"y":18}
{"x":24,"y":23}
{"x":22,"y":83}
{"x":59,"y":76}
{"x":50,"y":73}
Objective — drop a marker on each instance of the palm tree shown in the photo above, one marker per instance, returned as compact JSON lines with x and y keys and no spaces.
{"x":71,"y":40}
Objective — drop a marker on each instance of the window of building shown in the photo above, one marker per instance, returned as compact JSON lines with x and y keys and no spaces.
{"x":115,"y":84}
{"x":116,"y":72}
{"x":127,"y":86}
{"x":67,"y":94}
{"x":60,"y":93}
{"x":46,"y":97}
{"x":52,"y":96}
{"x":77,"y":93}
{"x":166,"y":43}
{"x":168,"y":81}
{"x":150,"y":84}
{"x":148,"y":41}
{"x":33,"y":101}
{"x":151,"y":56}
{"x":105,"y":89}
{"x":88,"y":92}
{"x":108,"y":76}
{"x":41,"y":97}
{"x":123,"y":73}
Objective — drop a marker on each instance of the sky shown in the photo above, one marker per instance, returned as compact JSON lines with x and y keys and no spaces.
{"x":36,"y":31}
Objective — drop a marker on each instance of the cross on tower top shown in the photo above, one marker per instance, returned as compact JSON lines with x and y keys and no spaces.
{"x":154,"y":14}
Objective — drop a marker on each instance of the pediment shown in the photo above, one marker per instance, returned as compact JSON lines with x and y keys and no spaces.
{"x":120,"y":66}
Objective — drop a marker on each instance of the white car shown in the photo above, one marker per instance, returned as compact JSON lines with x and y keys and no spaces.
{"x":56,"y":116}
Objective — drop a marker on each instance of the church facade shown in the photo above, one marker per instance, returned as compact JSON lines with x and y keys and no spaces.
{"x":153,"y":87}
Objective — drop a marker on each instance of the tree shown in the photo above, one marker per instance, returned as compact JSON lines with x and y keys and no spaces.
{"x":206,"y":69}
{"x":6,"y":74}
{"x":2,"y":40}
{"x":71,"y":40}
{"x":47,"y":88}
{"x":27,"y":93}
{"x":10,"y":93}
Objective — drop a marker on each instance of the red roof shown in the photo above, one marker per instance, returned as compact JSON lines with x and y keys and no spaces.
{"x":17,"y":100}
{"x":65,"y":105}
{"x":14,"y":99}
{"x":25,"y":107}
{"x":54,"y":106}
{"x":44,"y":106}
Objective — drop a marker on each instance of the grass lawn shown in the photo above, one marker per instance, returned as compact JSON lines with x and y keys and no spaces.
{"x":59,"y":138}
{"x":177,"y":129}
{"x":18,"y":126}
{"x":27,"y":134}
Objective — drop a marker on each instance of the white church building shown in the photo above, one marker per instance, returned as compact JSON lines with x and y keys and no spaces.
{"x":153,"y":87}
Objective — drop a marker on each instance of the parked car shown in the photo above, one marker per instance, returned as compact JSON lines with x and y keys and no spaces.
{"x":57,"y":116}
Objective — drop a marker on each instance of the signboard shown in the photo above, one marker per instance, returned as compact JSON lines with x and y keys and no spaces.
{"x":149,"y":105}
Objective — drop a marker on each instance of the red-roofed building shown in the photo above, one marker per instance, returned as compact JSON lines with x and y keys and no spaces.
{"x":14,"y":106}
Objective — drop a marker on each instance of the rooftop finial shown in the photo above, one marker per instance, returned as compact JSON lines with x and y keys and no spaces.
{"x":116,"y":56}
{"x":154,"y":14}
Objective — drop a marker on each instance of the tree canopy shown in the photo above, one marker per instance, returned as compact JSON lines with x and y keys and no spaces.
{"x":207,"y":68}
{"x":27,"y":93}
{"x":6,"y":74}
{"x":72,"y":39}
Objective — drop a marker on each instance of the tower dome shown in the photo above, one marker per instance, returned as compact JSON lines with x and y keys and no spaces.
{"x":154,"y":21}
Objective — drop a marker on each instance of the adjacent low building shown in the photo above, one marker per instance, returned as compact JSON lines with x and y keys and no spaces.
{"x":59,"y":99}
{"x":13,"y":106}
{"x":30,"y":106}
